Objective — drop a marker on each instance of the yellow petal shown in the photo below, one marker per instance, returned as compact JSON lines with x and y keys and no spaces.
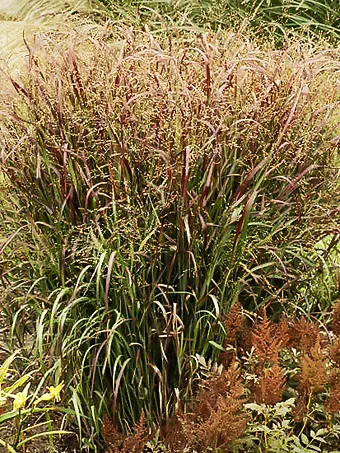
{"x":44,"y":397}
{"x":55,"y":391}
{"x":19,"y":401}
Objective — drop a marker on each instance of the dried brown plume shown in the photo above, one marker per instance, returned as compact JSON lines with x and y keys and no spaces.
{"x":217,"y":418}
{"x":132,"y":443}
{"x":335,"y":324}
{"x":271,"y":385}
{"x":334,"y":352}
{"x":313,"y":376}
{"x":266,"y":342}
{"x":303,"y":334}
{"x":224,"y":421}
{"x":333,"y":403}
{"x":234,"y":324}
{"x":180,"y":433}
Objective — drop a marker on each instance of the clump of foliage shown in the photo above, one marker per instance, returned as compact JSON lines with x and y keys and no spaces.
{"x":274,"y":17}
{"x":155,"y":182}
{"x":276,"y":389}
{"x":22,"y":406}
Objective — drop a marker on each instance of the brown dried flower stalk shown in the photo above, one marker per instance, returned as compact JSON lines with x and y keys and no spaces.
{"x":313,"y":376}
{"x":334,"y":352}
{"x":180,"y":433}
{"x":333,"y":403}
{"x":234,"y":324}
{"x":135,"y":442}
{"x":226,"y":421}
{"x":265,"y":341}
{"x":222,"y":385}
{"x":117,"y":442}
{"x":303,"y":334}
{"x":335,"y":324}
{"x":112,"y":437}
{"x":225,"y":424}
{"x":300,"y":408}
{"x":271,"y":385}
{"x":282,"y":331}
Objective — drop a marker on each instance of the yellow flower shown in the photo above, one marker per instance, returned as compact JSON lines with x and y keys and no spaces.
{"x":54,"y":393}
{"x":19,"y":401}
{"x":20,"y":398}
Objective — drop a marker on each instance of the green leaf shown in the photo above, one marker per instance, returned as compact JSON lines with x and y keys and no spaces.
{"x":315,"y":447}
{"x":304,"y":439}
{"x":5,"y":366}
{"x":320,"y":432}
{"x":254,"y":407}
{"x":216,"y":345}
{"x":17,"y":384}
{"x":320,"y":439}
{"x":8,"y":416}
{"x":47,"y":433}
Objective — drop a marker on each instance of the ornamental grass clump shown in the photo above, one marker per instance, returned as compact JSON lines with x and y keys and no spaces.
{"x":157,"y":181}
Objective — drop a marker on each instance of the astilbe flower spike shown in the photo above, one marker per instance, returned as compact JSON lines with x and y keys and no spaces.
{"x":303,"y":334}
{"x":226,"y":421}
{"x":333,"y":403}
{"x":266,"y":342}
{"x":271,"y":385}
{"x":118,"y":442}
{"x":234,"y":325}
{"x":334,"y":352}
{"x":313,"y":377}
{"x":335,"y":324}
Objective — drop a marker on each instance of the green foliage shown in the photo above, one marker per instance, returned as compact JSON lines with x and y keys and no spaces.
{"x":276,"y":17}
{"x":25,"y":405}
{"x":289,"y":390}
{"x":157,"y":181}
{"x":272,"y":430}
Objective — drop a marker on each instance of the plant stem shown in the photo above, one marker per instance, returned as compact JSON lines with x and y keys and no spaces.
{"x":18,"y":421}
{"x":307,"y":412}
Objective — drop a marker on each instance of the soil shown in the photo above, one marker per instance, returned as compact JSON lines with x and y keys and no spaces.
{"x":66,"y":444}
